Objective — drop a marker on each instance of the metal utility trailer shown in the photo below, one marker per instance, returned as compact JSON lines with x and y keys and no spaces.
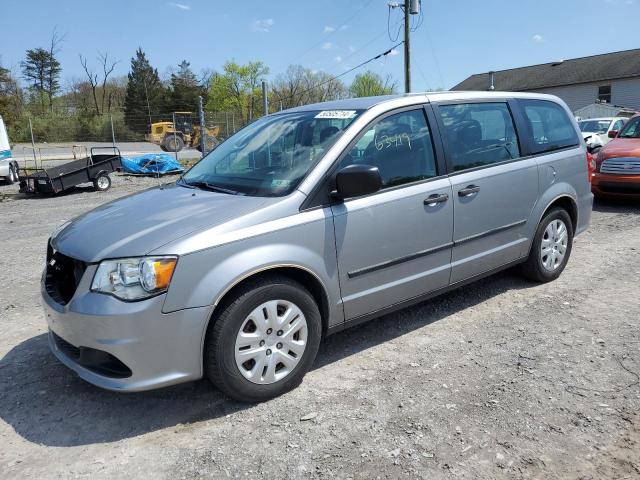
{"x":94,"y":168}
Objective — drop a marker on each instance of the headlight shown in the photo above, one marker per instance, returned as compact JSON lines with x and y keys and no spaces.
{"x":134,"y":278}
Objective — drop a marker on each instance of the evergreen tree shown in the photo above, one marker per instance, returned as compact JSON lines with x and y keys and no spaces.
{"x":185,"y":89}
{"x":146,"y":97}
{"x":42,"y":70}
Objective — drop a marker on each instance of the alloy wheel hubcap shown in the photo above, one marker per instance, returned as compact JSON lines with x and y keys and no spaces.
{"x":103,"y":182}
{"x":554,"y":245}
{"x":271,"y":342}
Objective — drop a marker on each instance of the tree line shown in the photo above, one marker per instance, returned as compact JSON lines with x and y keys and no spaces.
{"x":83,"y":108}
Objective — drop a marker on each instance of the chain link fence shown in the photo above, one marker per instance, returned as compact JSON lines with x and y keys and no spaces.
{"x":62,"y":135}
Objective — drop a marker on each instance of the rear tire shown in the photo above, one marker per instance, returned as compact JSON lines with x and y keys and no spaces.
{"x":102,"y":182}
{"x":295,"y":310}
{"x":551,"y":247}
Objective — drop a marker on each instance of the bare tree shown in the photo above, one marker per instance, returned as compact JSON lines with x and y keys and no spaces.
{"x":107,"y":69}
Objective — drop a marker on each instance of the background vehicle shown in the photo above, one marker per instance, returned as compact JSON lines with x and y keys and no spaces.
{"x":307,"y":222}
{"x":186,"y":133}
{"x":8,"y":166}
{"x":598,"y":131}
{"x":617,"y":169}
{"x":94,"y":168}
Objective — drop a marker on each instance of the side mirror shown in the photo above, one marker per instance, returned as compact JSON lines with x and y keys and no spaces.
{"x":357,"y":180}
{"x":612,"y":133}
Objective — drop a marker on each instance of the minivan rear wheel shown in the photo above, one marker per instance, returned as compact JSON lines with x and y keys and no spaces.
{"x":264,"y":340}
{"x":551,"y":247}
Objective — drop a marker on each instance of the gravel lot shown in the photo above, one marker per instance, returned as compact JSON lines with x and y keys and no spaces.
{"x":501,"y":379}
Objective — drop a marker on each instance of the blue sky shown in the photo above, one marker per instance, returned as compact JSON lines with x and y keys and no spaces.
{"x":456,"y":38}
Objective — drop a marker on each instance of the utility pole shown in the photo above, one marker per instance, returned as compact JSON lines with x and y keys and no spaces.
{"x":265,"y":100}
{"x":408,"y":7}
{"x":407,"y":48}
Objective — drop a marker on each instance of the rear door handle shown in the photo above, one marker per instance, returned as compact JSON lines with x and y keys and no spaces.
{"x":433,"y":200}
{"x":469,"y":191}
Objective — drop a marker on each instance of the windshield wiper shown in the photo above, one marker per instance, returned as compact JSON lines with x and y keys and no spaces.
{"x":209,"y":186}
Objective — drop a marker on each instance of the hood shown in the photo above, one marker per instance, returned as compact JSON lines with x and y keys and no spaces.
{"x":136,"y":225}
{"x":622,"y":147}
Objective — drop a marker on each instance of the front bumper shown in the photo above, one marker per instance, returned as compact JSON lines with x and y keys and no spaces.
{"x":159,"y":349}
{"x":616,"y":186}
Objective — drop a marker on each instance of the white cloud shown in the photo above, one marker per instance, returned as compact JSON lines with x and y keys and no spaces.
{"x":338,"y":59}
{"x":393,"y":53}
{"x":263,"y":25}
{"x":181,"y":6}
{"x":537,"y":38}
{"x":327,"y":46}
{"x":329,"y":29}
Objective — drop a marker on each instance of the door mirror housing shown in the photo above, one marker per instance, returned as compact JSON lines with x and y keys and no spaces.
{"x":612,"y":133}
{"x":357,"y":180}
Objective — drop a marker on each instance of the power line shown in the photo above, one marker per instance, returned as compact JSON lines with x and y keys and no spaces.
{"x":324,"y":38}
{"x":387,"y":52}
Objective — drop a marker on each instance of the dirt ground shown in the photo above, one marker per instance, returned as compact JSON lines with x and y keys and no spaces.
{"x":501,"y":379}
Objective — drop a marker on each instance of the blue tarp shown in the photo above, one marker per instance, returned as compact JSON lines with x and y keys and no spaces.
{"x":151,"y":164}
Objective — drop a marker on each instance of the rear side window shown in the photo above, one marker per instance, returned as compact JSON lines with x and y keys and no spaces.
{"x":551,"y":128}
{"x":479,"y":134}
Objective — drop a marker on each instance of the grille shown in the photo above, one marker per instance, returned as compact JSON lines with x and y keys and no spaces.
{"x":620,"y":187}
{"x":621,"y":166}
{"x":63,"y":275}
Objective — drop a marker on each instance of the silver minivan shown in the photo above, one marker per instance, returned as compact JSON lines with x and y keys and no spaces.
{"x":309,"y":221}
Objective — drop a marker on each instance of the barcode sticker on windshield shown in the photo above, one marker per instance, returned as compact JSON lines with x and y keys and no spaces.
{"x":340,"y":114}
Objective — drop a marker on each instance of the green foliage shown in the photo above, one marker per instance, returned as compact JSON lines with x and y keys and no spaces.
{"x":238,"y":89}
{"x":369,"y":84}
{"x":145,"y":94}
{"x":184,"y":89}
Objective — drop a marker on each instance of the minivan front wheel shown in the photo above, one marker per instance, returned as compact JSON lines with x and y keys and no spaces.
{"x":551,"y":247}
{"x":264,"y":340}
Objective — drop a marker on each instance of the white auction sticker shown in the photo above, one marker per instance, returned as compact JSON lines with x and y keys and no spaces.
{"x":341,"y":114}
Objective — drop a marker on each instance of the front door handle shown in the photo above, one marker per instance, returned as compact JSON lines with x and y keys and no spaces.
{"x":433,"y":200}
{"x":469,"y":191}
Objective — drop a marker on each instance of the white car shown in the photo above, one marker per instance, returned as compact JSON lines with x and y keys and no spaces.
{"x":8,"y":166}
{"x":598,"y":131}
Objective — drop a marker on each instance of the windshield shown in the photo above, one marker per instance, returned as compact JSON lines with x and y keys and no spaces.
{"x":271,"y":156}
{"x":631,"y":129}
{"x":595,"y":126}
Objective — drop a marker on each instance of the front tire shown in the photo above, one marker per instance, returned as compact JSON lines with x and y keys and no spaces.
{"x":12,"y":177}
{"x":264,"y":340}
{"x":551,"y":247}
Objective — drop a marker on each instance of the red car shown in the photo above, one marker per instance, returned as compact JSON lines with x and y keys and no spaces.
{"x":617,"y":165}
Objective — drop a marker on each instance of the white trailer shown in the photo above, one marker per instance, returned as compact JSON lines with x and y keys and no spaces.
{"x":8,"y":166}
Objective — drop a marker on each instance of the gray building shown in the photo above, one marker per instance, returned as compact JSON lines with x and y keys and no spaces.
{"x":612,"y":78}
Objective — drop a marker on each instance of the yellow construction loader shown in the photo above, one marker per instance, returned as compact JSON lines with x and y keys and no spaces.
{"x":186,"y":133}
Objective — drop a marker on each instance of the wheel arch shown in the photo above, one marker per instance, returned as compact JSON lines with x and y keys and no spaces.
{"x":566,"y":202}
{"x":306,"y":277}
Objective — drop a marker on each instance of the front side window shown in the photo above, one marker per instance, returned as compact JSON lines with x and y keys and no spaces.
{"x":271,"y":156}
{"x":604,"y":93}
{"x":400,"y":145}
{"x":479,"y":134}
{"x":631,"y":129}
{"x":550,"y":126}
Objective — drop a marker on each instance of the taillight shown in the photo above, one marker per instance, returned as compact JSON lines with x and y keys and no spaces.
{"x":591,"y":165}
